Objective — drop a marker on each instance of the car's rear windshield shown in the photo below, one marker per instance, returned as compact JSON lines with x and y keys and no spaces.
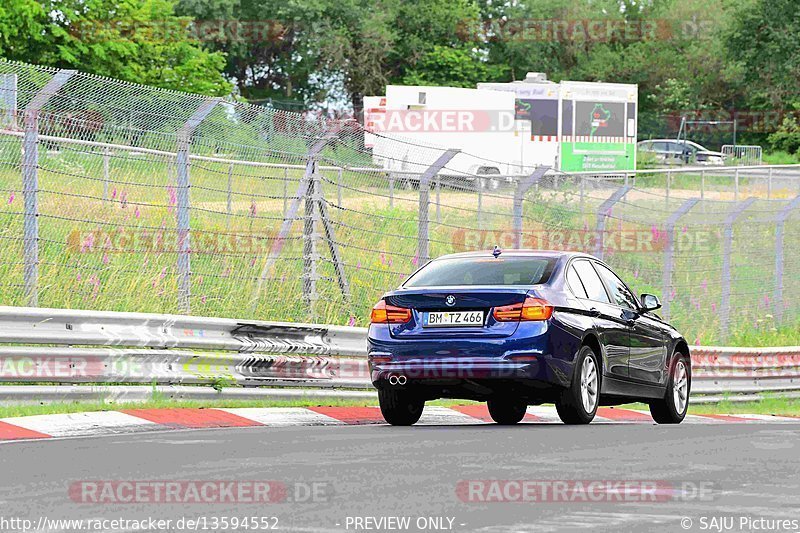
{"x":507,"y":270}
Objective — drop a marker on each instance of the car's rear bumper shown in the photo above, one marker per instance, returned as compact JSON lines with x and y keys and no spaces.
{"x":537,"y":355}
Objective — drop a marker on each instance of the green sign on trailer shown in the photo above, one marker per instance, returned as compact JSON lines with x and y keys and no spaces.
{"x":598,"y":126}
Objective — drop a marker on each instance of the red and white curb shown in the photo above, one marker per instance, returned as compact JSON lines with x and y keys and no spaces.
{"x":141,"y":420}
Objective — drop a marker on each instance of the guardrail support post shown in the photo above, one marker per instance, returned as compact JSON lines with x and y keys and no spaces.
{"x":523,"y":186}
{"x":727,"y":245}
{"x":780,"y":221}
{"x":602,"y":214}
{"x":423,"y":238}
{"x":479,"y":190}
{"x":30,"y":184}
{"x":666,"y":274}
{"x":182,"y":189}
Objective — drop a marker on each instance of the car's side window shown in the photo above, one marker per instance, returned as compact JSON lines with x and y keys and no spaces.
{"x":591,"y":282}
{"x":575,"y":283}
{"x":619,"y":292}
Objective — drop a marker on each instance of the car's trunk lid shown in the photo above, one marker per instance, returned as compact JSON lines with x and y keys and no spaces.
{"x":458,"y":298}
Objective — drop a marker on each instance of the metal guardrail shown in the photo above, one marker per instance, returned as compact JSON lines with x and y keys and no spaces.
{"x":109,"y":348}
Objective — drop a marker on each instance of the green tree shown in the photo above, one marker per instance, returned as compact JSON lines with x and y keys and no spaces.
{"x":135,"y":40}
{"x":765,"y":40}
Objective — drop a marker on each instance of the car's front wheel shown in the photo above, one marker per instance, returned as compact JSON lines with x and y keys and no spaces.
{"x":578,"y":402}
{"x":672,"y":408}
{"x":507,"y":412}
{"x":400,"y":407}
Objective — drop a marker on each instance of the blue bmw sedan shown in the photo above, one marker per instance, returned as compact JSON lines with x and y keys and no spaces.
{"x":522,"y":327}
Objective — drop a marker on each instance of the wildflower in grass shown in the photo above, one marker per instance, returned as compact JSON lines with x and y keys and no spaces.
{"x":352,"y":321}
{"x":713,"y":307}
{"x":11,"y":198}
{"x":672,"y":294}
{"x":684,"y":229}
{"x":114,"y":193}
{"x":203,"y":298}
{"x":163,"y":273}
{"x":199,"y":280}
{"x":123,"y":199}
{"x":766,"y":300}
{"x":636,"y":274}
{"x":136,"y":212}
{"x":106,"y":260}
{"x":253,"y":208}
{"x":390,"y":261}
{"x":704,"y":285}
{"x":697,"y":341}
{"x":383,"y":258}
{"x":415,"y":260}
{"x":88,"y":243}
{"x":173,"y":196}
{"x":358,"y":265}
{"x":78,"y":277}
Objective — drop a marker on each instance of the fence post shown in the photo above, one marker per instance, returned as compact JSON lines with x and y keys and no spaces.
{"x":736,"y":185}
{"x":423,"y":239}
{"x":182,"y":186}
{"x":230,"y":192}
{"x":30,"y":184}
{"x":310,"y":238}
{"x":666,"y":275}
{"x":780,"y":220}
{"x":390,"y":177}
{"x":769,"y":183}
{"x":438,"y":199}
{"x":669,"y":185}
{"x":339,"y":187}
{"x":602,"y":213}
{"x":106,"y":157}
{"x":303,"y":189}
{"x":523,"y":186}
{"x":727,"y":245}
{"x":479,"y":187}
{"x":285,"y":190}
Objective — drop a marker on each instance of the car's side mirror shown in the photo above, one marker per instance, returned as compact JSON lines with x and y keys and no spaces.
{"x":650,"y":302}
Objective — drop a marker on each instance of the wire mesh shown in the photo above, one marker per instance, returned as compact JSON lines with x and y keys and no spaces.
{"x":280,"y":231}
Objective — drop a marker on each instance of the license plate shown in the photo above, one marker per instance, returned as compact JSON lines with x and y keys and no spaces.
{"x":436,"y":319}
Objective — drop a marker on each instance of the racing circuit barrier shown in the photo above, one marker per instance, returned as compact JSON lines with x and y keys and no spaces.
{"x":120,"y":196}
{"x":114,"y":349}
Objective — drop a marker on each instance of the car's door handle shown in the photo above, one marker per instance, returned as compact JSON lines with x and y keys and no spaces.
{"x":594,"y":312}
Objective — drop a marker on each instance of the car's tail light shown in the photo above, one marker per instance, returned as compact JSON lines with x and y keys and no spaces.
{"x":531,"y":309}
{"x":383,"y":313}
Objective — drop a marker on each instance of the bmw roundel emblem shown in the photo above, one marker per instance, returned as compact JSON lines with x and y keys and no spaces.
{"x":450,"y":300}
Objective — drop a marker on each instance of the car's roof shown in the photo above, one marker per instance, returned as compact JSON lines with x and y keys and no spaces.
{"x":517,"y":253}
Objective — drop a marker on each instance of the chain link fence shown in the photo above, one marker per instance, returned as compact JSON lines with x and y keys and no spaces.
{"x":118,"y":196}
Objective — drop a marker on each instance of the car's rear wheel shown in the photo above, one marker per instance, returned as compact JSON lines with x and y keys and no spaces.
{"x":672,"y":408}
{"x":506,"y":411}
{"x":578,"y":402}
{"x":400,"y":407}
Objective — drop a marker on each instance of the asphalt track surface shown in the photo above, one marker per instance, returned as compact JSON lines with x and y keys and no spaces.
{"x":380,"y":471}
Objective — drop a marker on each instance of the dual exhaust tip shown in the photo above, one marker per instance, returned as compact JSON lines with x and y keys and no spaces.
{"x":395,"y":379}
